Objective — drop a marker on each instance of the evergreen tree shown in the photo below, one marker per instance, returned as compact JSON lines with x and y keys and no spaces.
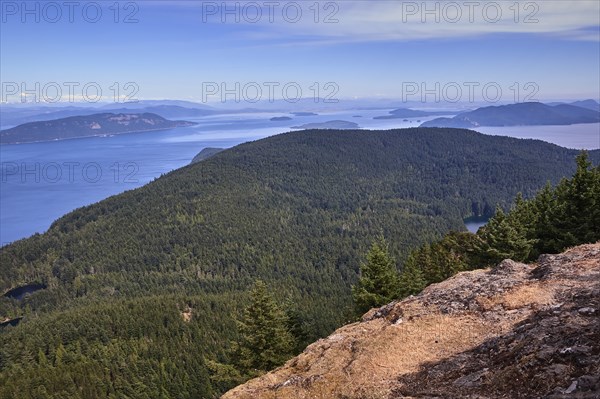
{"x":411,"y":280}
{"x":523,"y":216}
{"x":444,"y":258}
{"x":424,"y":257}
{"x":224,"y":376}
{"x":594,"y":214}
{"x":379,"y":282}
{"x":503,"y":238}
{"x":462,"y":250}
{"x":265,"y":341}
{"x":42,"y":360}
{"x":578,"y":203}
{"x":544,"y":226}
{"x":298,"y":325}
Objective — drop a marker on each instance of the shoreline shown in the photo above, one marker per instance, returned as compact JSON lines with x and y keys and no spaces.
{"x":96,"y":135}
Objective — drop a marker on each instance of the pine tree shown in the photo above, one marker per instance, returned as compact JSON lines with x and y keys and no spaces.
{"x":462,"y":248}
{"x":426,"y":259}
{"x":544,"y":227}
{"x":265,"y":340}
{"x":595,"y":211}
{"x":298,"y":325}
{"x":224,"y":376}
{"x":503,"y":238}
{"x":379,"y":282}
{"x":59,"y":355}
{"x":42,"y":359}
{"x":578,"y":202}
{"x":523,"y":216}
{"x":411,"y":280}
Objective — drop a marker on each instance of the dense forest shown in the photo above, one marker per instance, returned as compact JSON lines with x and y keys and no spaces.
{"x":555,"y":219}
{"x":145,"y":290}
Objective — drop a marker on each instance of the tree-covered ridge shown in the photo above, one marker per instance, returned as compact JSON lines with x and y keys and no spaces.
{"x":297,"y":210}
{"x":555,"y":219}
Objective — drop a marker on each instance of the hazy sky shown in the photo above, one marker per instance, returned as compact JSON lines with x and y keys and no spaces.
{"x":365,"y":49}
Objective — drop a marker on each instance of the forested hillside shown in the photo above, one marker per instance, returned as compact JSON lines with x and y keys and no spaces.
{"x":146,"y":285}
{"x":553,"y":220}
{"x":465,"y":322}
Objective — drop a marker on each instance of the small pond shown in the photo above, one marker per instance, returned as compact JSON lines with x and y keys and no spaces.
{"x":473,"y":223}
{"x":20,"y":292}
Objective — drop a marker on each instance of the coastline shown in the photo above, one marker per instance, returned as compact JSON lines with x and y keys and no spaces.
{"x":96,"y":135}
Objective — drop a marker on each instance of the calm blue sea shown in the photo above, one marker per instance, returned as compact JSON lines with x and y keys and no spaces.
{"x":42,"y":181}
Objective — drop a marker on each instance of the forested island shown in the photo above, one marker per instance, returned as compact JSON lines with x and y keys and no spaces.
{"x":337,"y":125}
{"x":521,"y":114}
{"x":402,"y":113}
{"x":87,"y":126}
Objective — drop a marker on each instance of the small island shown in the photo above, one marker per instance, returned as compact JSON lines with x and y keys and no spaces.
{"x":87,"y":126}
{"x":280,"y":118}
{"x":343,"y":125}
{"x":402,"y":113}
{"x":304,"y":114}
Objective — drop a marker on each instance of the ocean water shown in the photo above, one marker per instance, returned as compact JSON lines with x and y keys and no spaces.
{"x":580,"y":136}
{"x":40,"y":182}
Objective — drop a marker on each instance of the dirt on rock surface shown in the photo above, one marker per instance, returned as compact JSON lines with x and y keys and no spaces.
{"x":512,"y":331}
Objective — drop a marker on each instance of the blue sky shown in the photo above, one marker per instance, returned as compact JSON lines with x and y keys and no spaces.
{"x":373,"y":50}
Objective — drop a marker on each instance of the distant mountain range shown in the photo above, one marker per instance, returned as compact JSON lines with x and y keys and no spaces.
{"x":87,"y":126}
{"x":16,"y":116}
{"x":155,"y":103}
{"x":522,"y":114}
{"x":589,"y":104}
{"x":517,"y":114}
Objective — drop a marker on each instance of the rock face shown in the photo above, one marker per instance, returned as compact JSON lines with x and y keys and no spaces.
{"x":513,"y":331}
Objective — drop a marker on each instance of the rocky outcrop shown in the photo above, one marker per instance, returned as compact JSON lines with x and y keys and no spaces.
{"x":513,"y":331}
